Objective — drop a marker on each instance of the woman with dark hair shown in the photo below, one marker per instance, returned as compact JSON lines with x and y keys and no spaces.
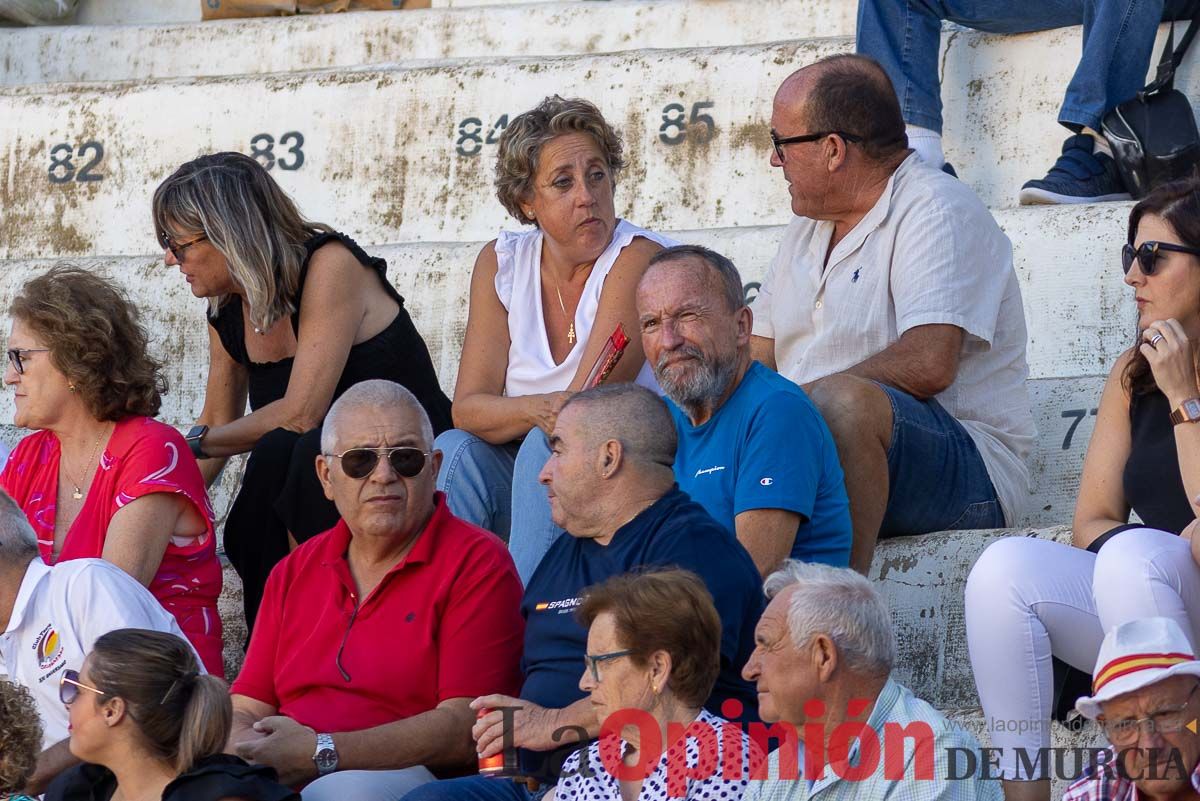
{"x":147,"y":723}
{"x":298,"y":313}
{"x":20,"y":740}
{"x":100,"y":478}
{"x":1029,"y":599}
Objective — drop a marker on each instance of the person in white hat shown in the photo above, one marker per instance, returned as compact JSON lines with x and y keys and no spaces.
{"x":1144,"y":698}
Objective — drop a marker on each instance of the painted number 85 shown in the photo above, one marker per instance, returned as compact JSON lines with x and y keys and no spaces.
{"x":676,"y":128}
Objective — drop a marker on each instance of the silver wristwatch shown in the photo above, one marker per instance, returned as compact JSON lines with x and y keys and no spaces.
{"x":325,"y":757}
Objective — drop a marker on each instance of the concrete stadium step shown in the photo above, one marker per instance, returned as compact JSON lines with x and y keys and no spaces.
{"x":1078,"y":312}
{"x":126,"y":12}
{"x":323,"y":41}
{"x":405,"y":153}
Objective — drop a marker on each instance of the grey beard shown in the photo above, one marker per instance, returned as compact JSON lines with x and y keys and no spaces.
{"x":702,"y":385}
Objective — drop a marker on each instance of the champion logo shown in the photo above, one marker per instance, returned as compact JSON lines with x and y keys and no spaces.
{"x":709,"y":470}
{"x":767,"y":481}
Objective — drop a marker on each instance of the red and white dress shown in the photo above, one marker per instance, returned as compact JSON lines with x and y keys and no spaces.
{"x":143,"y":456}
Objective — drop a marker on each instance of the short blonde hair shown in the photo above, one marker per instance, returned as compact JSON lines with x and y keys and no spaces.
{"x":523,"y":140}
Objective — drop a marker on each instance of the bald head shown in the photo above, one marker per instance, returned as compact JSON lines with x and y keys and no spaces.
{"x":852,"y":94}
{"x":632,"y":415}
{"x":375,"y":394}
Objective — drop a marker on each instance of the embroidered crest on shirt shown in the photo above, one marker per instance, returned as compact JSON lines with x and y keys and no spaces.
{"x":854,"y":278}
{"x":48,"y":647}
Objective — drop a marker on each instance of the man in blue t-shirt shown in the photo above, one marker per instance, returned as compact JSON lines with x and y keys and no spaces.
{"x":612,"y":488}
{"x":753,"y":449}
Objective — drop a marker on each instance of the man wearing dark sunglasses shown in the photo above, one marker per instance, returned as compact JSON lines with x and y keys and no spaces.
{"x":375,"y":636}
{"x":50,"y":617}
{"x":893,"y":302}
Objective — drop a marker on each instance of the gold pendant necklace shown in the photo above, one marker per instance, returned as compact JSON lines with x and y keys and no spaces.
{"x":77,"y":494}
{"x":563,"y":306}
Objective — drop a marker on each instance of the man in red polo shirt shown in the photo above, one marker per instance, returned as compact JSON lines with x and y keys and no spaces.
{"x":374,"y":637}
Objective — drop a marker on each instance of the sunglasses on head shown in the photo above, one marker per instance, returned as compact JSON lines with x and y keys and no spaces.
{"x":1147,"y":255}
{"x":360,"y":462}
{"x":69,"y":687}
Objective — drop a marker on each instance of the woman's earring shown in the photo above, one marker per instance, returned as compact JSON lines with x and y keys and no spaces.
{"x":71,"y":387}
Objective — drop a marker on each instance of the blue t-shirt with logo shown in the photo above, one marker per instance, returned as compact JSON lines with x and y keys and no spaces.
{"x":768,"y":447}
{"x":673,"y":532}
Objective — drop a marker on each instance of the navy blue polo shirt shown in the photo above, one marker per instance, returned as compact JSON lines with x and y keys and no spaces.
{"x":674,"y":531}
{"x":768,"y":447}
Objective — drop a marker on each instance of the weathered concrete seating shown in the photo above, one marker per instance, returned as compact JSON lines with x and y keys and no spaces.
{"x":378,"y":150}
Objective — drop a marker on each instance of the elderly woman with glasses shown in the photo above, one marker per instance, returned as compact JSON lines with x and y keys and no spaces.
{"x":99,"y":477}
{"x":297,"y":314}
{"x":543,"y":305}
{"x":649,"y":672}
{"x":1029,"y":600}
{"x":147,"y":723}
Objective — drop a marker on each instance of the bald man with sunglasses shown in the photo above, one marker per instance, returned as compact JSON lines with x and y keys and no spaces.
{"x":374,"y":636}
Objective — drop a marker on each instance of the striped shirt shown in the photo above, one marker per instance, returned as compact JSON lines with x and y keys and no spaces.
{"x":896,"y":709}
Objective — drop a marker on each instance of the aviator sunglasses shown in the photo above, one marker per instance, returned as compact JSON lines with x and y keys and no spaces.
{"x":1147,"y":255}
{"x":360,"y":462}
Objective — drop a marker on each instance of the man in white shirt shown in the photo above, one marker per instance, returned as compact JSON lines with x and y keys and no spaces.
{"x":49,"y":619}
{"x":893,"y":302}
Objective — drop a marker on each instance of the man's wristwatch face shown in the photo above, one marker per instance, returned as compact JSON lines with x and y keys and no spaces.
{"x":326,"y":756}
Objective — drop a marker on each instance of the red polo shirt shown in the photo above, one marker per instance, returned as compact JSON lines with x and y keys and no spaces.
{"x":444,"y":623}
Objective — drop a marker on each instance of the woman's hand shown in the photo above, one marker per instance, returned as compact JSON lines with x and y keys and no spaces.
{"x":1172,"y":360}
{"x":545,"y":409}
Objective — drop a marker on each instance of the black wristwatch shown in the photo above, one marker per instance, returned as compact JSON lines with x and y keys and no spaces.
{"x":194,"y":435}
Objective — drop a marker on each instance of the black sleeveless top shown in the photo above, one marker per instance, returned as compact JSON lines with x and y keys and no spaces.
{"x":1153,"y":486}
{"x":397,"y":353}
{"x":212,"y":779}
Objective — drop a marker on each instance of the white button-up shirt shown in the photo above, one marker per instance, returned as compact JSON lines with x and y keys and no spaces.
{"x":928,"y":252}
{"x":59,"y":614}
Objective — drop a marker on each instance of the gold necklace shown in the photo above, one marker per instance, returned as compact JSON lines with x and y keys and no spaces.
{"x":563,"y":306}
{"x":78,"y":493}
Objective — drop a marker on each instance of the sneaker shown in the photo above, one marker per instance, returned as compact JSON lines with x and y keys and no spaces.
{"x":1079,"y":176}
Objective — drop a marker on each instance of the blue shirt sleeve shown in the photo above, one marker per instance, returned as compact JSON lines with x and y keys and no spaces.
{"x":782,"y":457}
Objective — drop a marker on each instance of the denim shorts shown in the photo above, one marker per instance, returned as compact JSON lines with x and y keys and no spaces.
{"x":937,"y":479}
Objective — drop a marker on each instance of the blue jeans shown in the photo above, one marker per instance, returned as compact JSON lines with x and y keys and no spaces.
{"x":937,"y":480}
{"x":496,"y":487}
{"x":471,"y":788}
{"x":904,"y":36}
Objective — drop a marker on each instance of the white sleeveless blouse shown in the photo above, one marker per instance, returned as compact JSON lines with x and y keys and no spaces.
{"x":531,"y":367}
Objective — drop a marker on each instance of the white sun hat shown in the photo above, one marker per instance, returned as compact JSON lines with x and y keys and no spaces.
{"x":1136,"y":654}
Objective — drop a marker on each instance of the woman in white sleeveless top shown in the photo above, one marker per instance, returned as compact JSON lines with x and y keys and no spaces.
{"x":543,"y":304}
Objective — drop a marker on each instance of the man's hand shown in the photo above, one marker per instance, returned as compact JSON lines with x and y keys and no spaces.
{"x":286,"y":746}
{"x":531,"y":726}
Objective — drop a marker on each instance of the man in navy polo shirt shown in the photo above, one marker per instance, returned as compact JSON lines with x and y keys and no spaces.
{"x":612,"y":488}
{"x":753,"y":449}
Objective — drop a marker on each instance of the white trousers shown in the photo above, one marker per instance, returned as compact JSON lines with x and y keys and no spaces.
{"x":367,"y":785}
{"x":1028,"y":598}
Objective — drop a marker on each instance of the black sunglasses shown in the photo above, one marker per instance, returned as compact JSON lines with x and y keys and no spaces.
{"x":779,"y":141}
{"x":360,"y":462}
{"x":16,"y":357}
{"x":1147,"y":255}
{"x":177,"y":248}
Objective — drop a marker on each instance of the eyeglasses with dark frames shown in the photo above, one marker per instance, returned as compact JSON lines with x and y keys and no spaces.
{"x":177,"y":248}
{"x":1147,"y":255}
{"x":779,"y":141}
{"x":593,"y":661}
{"x":407,"y":461}
{"x":16,"y":357}
{"x":70,"y":685}
{"x":1165,"y":721}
